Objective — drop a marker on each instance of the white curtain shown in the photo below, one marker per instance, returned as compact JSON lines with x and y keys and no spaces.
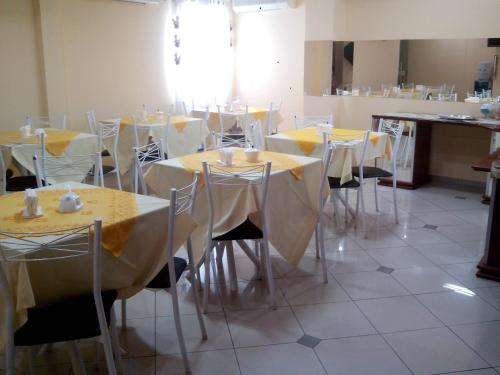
{"x":205,"y":71}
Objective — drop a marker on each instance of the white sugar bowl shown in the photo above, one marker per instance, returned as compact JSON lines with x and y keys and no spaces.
{"x":252,"y":155}
{"x":70,"y":202}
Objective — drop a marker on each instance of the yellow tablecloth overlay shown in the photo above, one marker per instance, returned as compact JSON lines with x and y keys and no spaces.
{"x":117,"y":209}
{"x":279,"y":161}
{"x":56,"y":141}
{"x":307,"y":138}
{"x":180,"y":122}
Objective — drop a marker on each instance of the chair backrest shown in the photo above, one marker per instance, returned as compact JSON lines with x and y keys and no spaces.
{"x":223,"y":139}
{"x":361,"y":164}
{"x":179,"y":108}
{"x":108,"y":130}
{"x":91,"y":121}
{"x":219,"y":177}
{"x":68,"y":168}
{"x":327,"y":158}
{"x":135,"y":130}
{"x":56,"y":121}
{"x":273,"y":107}
{"x":144,"y":156}
{"x":58,"y":245}
{"x":308,"y":121}
{"x":395,"y":130}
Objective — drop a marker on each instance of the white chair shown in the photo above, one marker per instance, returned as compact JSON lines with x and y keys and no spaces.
{"x":74,"y":168}
{"x":273,"y":108}
{"x":144,"y":156}
{"x":394,"y":130}
{"x":91,"y":121}
{"x":319,"y":231}
{"x":223,"y":139}
{"x":56,"y":121}
{"x":110,"y":131}
{"x":336,"y":189}
{"x":179,"y":108}
{"x":309,"y":121}
{"x":217,"y":180}
{"x":181,"y":201}
{"x":64,"y":321}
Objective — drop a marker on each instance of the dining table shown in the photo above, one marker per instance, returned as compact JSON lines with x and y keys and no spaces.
{"x":348,"y":144}
{"x":18,"y":151}
{"x":233,"y":117}
{"x":293,"y":198}
{"x":181,"y":136}
{"x":134,"y":238}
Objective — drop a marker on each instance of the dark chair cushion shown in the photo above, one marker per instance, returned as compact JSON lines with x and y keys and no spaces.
{"x":107,"y":169}
{"x":72,"y":319}
{"x":334,"y":183}
{"x":371,"y":172}
{"x":21,"y":183}
{"x":162,"y":279}
{"x":9,"y":173}
{"x":105,"y":153}
{"x":245,"y":231}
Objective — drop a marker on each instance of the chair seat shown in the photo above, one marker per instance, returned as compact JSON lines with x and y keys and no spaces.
{"x":21,"y":183}
{"x":72,"y":319}
{"x":107,"y":169}
{"x":162,"y":279}
{"x":334,"y":183}
{"x":371,"y":172}
{"x":105,"y":153}
{"x":245,"y":231}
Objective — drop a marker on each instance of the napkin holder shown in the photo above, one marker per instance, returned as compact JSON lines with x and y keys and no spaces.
{"x":324,"y":128}
{"x":226,"y":156}
{"x":32,"y":208}
{"x":25,"y":131}
{"x":69,"y":202}
{"x":252,"y":155}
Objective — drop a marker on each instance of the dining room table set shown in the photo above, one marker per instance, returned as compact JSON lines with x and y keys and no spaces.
{"x":134,"y":234}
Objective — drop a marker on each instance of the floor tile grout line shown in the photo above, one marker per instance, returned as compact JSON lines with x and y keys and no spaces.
{"x":382,"y":337}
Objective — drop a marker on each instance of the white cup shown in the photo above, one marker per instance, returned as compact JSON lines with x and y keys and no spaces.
{"x":252,"y":155}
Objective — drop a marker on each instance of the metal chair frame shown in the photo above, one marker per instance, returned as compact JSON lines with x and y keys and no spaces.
{"x":144,"y":156}
{"x":226,"y":178}
{"x":25,"y":247}
{"x":111,"y":130}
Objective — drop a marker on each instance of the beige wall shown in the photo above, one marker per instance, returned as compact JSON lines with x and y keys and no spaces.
{"x":454,"y":62}
{"x":270,"y":59}
{"x":21,"y":75}
{"x":375,"y":63}
{"x":318,"y":67}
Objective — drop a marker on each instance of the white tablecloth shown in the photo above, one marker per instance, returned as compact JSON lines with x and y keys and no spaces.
{"x":345,"y":156}
{"x":143,"y":255}
{"x":292,"y":209}
{"x":178,"y":139}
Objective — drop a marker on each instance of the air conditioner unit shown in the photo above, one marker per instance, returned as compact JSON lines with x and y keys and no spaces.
{"x":240,"y":6}
{"x":141,"y":1}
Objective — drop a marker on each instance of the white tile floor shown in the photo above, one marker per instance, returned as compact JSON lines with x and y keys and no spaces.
{"x":423,"y":312}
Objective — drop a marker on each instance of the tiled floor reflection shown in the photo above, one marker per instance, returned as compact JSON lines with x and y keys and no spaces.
{"x":401,"y":299}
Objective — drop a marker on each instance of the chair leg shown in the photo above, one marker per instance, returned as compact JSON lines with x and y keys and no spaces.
{"x":76,"y":358}
{"x":269,"y":272}
{"x":335,"y":208}
{"x":206,"y":286}
{"x":194,"y":287}
{"x":178,"y":323}
{"x":346,"y":207}
{"x":363,"y":212}
{"x":316,"y":241}
{"x":115,"y":343}
{"x":357,"y":209}
{"x":231,"y":265}
{"x":117,"y":170}
{"x":124,"y":314}
{"x":394,"y":195}
{"x":220,"y":247}
{"x":258,"y":254}
{"x":376,"y":195}
{"x":320,"y":228}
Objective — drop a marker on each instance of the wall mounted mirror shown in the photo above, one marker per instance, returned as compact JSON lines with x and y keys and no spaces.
{"x":431,"y":69}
